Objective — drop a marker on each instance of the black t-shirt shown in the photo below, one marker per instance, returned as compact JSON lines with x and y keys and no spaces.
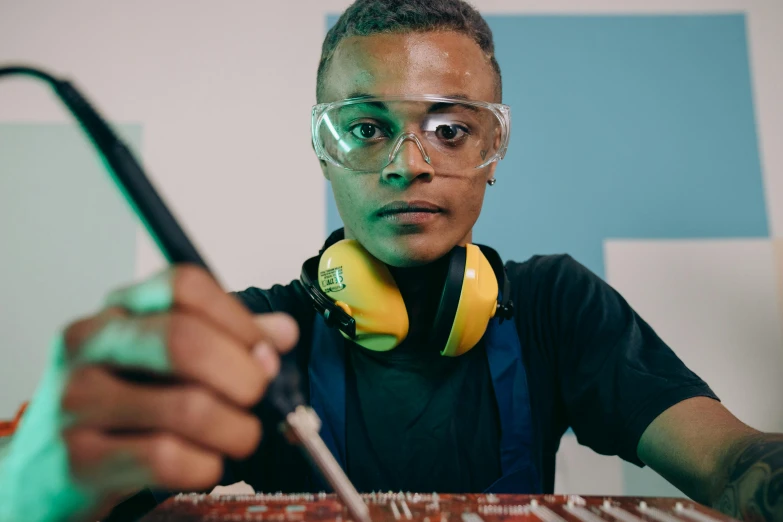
{"x":418,"y":421}
{"x":592,"y":363}
{"x":414,"y":418}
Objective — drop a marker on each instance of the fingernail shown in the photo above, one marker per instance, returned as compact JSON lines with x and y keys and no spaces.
{"x":267,"y":357}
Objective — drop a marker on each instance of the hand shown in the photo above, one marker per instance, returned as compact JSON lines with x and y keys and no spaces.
{"x":206,"y":360}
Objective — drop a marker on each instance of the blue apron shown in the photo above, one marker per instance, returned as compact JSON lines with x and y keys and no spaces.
{"x":504,"y":353}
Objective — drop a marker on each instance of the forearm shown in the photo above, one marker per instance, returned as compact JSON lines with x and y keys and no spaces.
{"x":754,"y":485}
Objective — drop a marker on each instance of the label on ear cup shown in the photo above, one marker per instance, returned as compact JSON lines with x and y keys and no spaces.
{"x":331,"y":279}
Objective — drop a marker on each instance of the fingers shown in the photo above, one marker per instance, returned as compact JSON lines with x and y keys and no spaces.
{"x":170,"y":433}
{"x":79,"y":331}
{"x":124,"y":463}
{"x":280,"y":329}
{"x":179,"y":344}
{"x":190,"y":290}
{"x":167,"y":342}
{"x":200,"y":353}
{"x":97,"y":399}
{"x":194,"y":290}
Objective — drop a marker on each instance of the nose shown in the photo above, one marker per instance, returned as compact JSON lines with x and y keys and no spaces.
{"x":409,"y":161}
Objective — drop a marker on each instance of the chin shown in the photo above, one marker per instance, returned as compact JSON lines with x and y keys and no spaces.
{"x":404,"y":251}
{"x":408,"y":259}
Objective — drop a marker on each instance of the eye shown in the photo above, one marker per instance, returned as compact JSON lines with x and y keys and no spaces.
{"x":366,"y":131}
{"x":451,"y":133}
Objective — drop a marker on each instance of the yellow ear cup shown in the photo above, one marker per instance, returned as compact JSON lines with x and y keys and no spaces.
{"x":477,"y":304}
{"x":345,"y":308}
{"x":363,"y":287}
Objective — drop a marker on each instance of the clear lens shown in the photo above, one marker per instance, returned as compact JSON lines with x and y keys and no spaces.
{"x":363,"y":134}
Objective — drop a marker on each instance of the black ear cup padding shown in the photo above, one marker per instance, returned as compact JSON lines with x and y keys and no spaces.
{"x":333,"y":314}
{"x":449,"y":299}
{"x":506,"y":306}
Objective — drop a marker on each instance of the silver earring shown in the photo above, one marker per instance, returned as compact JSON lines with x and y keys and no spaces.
{"x":491,"y":182}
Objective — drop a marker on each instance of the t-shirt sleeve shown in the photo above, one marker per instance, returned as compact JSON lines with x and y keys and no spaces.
{"x":288,"y":299}
{"x":616,"y":375}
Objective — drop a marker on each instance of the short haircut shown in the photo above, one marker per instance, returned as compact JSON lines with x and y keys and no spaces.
{"x":368,"y":17}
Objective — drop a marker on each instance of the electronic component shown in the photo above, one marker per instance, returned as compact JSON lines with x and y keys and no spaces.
{"x":433,"y":507}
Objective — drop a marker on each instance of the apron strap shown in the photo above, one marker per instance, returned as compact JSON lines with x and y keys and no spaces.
{"x":509,"y":379}
{"x":504,"y":354}
{"x":327,"y":387}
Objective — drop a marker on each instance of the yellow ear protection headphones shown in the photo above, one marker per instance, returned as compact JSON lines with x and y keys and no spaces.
{"x":356,"y":293}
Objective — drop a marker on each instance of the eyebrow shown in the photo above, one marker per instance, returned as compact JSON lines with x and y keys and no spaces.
{"x":443,"y":105}
{"x":433,"y":108}
{"x":378,"y":105}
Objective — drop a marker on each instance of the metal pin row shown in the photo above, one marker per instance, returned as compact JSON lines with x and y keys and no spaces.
{"x":405,"y":510}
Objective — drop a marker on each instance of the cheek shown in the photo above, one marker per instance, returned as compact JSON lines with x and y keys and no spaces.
{"x":472,"y":199}
{"x":341,"y":188}
{"x":347,"y":190}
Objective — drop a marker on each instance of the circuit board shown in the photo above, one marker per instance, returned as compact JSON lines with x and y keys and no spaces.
{"x":432,"y":507}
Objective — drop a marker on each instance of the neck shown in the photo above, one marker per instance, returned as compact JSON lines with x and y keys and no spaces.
{"x":421,"y":289}
{"x":419,"y":279}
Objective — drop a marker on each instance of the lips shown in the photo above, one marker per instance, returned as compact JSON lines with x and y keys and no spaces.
{"x":410,"y":215}
{"x":408,"y":207}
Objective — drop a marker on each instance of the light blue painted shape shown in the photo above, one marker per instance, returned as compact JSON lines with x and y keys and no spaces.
{"x":67,"y":237}
{"x":623,"y":127}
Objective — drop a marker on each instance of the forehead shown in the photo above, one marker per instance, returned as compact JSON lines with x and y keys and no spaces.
{"x":441,"y":62}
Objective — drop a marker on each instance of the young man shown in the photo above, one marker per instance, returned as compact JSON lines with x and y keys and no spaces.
{"x":409,"y":175}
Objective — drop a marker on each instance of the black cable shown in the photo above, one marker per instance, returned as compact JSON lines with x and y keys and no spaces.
{"x":127,"y":172}
{"x":130,"y":178}
{"x":28,"y":71}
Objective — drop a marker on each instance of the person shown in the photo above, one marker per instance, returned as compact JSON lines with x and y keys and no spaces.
{"x":409,"y":129}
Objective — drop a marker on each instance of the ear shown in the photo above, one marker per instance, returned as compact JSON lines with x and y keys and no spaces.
{"x":325,"y":169}
{"x":323,"y":163}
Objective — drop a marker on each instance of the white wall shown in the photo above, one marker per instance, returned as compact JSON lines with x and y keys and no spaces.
{"x":222,"y":91}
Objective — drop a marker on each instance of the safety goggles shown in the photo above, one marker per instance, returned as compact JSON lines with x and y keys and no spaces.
{"x":453,"y":134}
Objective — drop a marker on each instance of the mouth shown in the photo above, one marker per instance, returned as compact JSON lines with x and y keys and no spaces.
{"x":409,"y":212}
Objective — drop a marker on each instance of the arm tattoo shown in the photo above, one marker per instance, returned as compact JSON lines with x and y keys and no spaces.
{"x":754,"y":491}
